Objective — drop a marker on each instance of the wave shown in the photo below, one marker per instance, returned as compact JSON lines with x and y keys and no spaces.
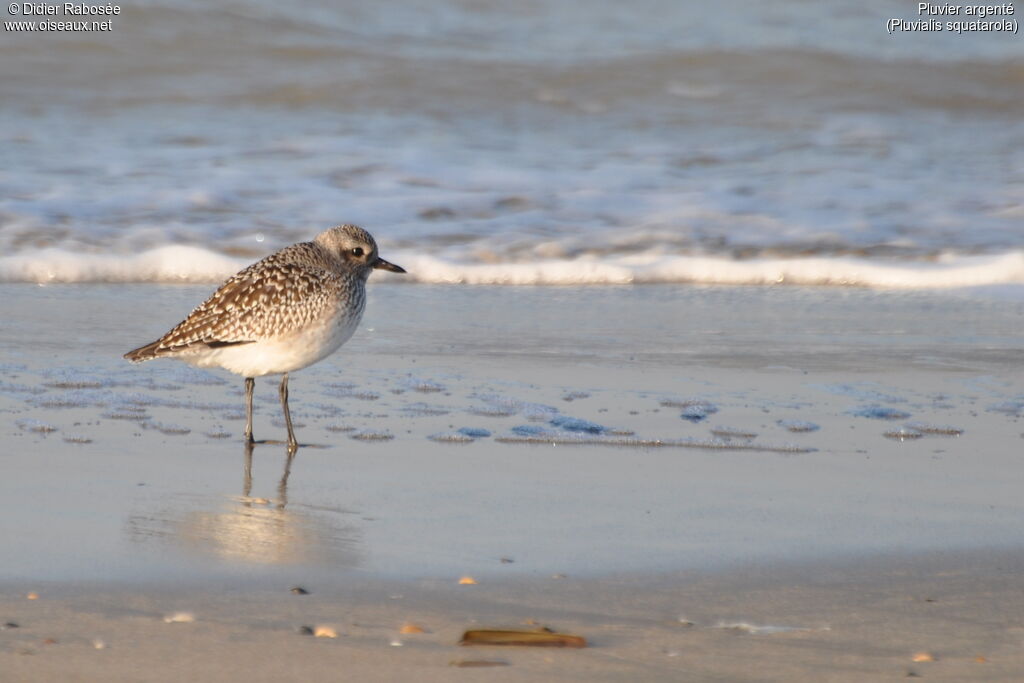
{"x":163,"y":264}
{"x":184,"y":264}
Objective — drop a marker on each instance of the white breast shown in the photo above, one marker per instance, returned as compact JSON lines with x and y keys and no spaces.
{"x":285,"y":353}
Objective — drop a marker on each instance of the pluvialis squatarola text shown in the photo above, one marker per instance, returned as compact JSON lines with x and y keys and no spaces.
{"x":281,"y":314}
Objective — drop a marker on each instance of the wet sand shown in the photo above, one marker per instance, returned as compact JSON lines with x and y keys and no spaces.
{"x":836,"y":462}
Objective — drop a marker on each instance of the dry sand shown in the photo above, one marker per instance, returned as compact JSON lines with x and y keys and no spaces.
{"x":864,"y":622}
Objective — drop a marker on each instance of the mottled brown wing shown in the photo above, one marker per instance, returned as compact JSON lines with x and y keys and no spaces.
{"x":265,"y":300}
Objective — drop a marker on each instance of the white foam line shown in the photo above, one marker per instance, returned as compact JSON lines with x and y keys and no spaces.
{"x":194,"y":264}
{"x":164,"y":264}
{"x":962,"y":271}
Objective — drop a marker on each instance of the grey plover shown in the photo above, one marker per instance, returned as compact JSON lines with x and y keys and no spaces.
{"x":281,"y":314}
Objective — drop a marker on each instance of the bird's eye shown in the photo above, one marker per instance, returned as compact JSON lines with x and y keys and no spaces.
{"x":357,"y":251}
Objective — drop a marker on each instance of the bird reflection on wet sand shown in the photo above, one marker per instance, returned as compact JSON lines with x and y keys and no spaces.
{"x":282,"y":486}
{"x":253,"y":529}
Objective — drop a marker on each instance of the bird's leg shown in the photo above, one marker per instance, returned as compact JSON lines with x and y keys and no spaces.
{"x":247,"y":476}
{"x":250,"y":385}
{"x":283,"y":393}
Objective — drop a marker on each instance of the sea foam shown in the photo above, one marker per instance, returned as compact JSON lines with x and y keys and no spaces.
{"x":178,"y":264}
{"x":163,"y":264}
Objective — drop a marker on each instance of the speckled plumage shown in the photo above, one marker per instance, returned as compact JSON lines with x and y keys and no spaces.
{"x":282,"y":313}
{"x":275,"y":297}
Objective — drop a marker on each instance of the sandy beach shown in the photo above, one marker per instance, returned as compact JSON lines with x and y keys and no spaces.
{"x":811,"y":484}
{"x":959,"y":616}
{"x":707,"y":350}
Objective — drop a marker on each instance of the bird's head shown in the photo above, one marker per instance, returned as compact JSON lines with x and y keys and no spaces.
{"x":356,"y":248}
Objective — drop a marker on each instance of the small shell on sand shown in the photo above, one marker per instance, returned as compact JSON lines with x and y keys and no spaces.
{"x":542,"y":637}
{"x":409,"y":627}
{"x":180,"y":618}
{"x":467,"y":581}
{"x":325,"y":632}
{"x":32,"y":596}
{"x":923,"y":657}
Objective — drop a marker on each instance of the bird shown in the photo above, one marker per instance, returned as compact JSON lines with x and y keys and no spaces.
{"x":283,"y":313}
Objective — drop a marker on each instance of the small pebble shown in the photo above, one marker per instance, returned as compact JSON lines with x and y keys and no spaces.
{"x":923,"y":657}
{"x":409,"y":627}
{"x":99,"y":644}
{"x":395,"y":642}
{"x":325,"y":632}
{"x":305,"y":630}
{"x":32,"y":596}
{"x":299,"y":590}
{"x":180,"y":618}
{"x":467,"y":581}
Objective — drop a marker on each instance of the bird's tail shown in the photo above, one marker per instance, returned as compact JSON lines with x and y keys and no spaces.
{"x":143,"y":353}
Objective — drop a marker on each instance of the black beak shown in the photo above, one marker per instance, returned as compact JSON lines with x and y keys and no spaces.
{"x":381,"y":264}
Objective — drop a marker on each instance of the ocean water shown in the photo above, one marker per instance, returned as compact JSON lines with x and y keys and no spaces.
{"x":517,"y":143}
